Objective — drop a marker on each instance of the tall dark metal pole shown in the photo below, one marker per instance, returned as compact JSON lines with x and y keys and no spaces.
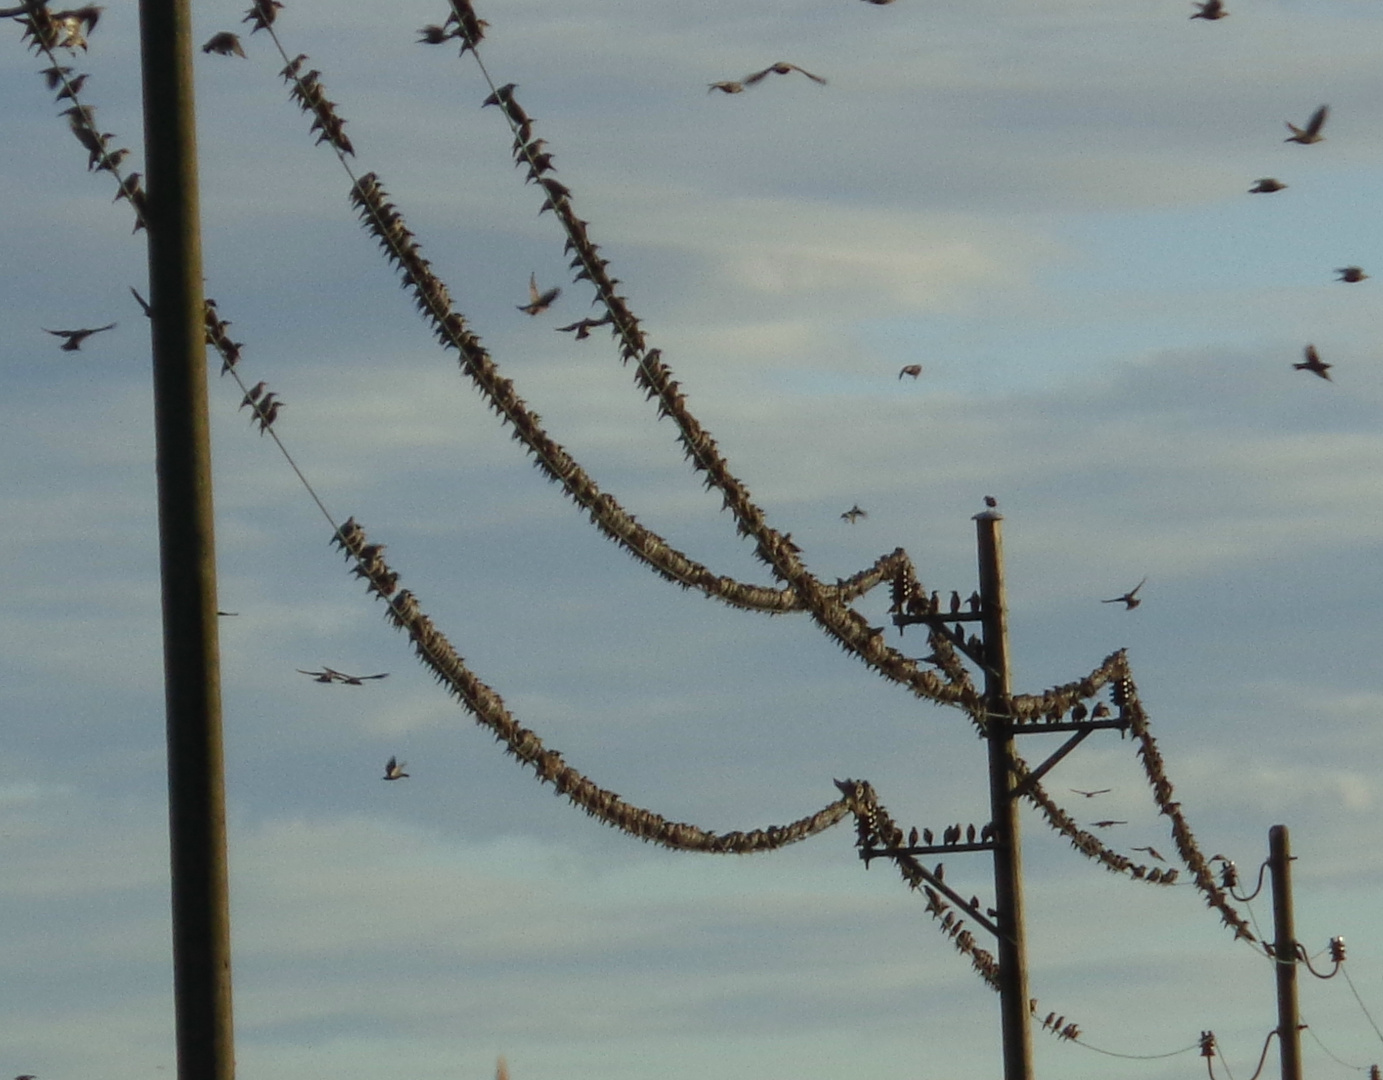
{"x":1285,"y":952}
{"x":196,"y":784}
{"x":1008,"y":854}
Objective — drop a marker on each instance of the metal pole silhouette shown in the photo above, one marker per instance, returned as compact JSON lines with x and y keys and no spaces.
{"x":196,"y":782}
{"x":1008,"y":854}
{"x":1285,"y":952}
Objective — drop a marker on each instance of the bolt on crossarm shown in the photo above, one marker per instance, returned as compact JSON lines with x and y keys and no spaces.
{"x":1008,"y":857}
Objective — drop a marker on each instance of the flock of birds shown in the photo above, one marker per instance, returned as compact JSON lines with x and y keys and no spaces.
{"x":393,"y":768}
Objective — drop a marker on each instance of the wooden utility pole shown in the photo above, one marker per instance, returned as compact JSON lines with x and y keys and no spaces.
{"x":196,"y":781}
{"x":1003,"y":802}
{"x":1285,"y":952}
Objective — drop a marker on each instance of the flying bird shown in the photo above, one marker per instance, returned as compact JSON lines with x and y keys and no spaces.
{"x":1153,"y":852}
{"x":1351,"y":273}
{"x":393,"y":769}
{"x":331,"y":675}
{"x":538,"y":301}
{"x":224,"y":44}
{"x":1312,"y":132}
{"x":144,"y":304}
{"x":1312,"y":364}
{"x":726,"y":86}
{"x":1106,"y":824}
{"x":1266,"y":186}
{"x":1091,"y":794}
{"x":1211,"y":10}
{"x":854,"y":514}
{"x":76,"y":337}
{"x":990,"y":501}
{"x":912,"y":371}
{"x":782,"y":67}
{"x":1129,"y":599}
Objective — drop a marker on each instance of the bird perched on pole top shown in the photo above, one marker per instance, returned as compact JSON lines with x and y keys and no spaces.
{"x":1311,"y":133}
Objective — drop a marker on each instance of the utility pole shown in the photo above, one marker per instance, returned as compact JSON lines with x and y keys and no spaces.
{"x":1285,"y":952}
{"x":196,"y":778}
{"x":1003,"y":802}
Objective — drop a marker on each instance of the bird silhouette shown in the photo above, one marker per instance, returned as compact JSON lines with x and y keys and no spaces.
{"x":1153,"y":852}
{"x":854,"y":514}
{"x":1091,"y":794}
{"x":1211,"y":10}
{"x":393,"y":769}
{"x":727,"y":86}
{"x":912,"y":837}
{"x":1129,"y":599}
{"x":1351,"y":273}
{"x":990,"y":501}
{"x":927,"y":837}
{"x":781,"y":67}
{"x":253,"y":393}
{"x":538,"y":301}
{"x":1100,"y":712}
{"x":1312,"y":132}
{"x":1267,"y":185}
{"x":1106,"y":823}
{"x":76,"y":337}
{"x":1312,"y":364}
{"x":912,"y":371}
{"x":224,"y":44}
{"x":331,"y":675}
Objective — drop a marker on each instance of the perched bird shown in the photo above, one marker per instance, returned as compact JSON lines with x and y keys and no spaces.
{"x":970,"y":837}
{"x":1312,"y":132}
{"x":53,"y":75}
{"x":1106,"y":823}
{"x":224,"y":44}
{"x":927,"y":837}
{"x":911,"y":370}
{"x":1351,"y":273}
{"x":253,"y":393}
{"x":76,"y":337}
{"x":1211,"y":10}
{"x":1153,"y":852}
{"x":912,"y":837}
{"x":73,"y":87}
{"x":1100,"y":712}
{"x":1129,"y":599}
{"x":1091,"y":794}
{"x":538,"y":301}
{"x":854,"y":514}
{"x":782,"y":67}
{"x":1266,"y":186}
{"x":393,"y":769}
{"x":1312,"y":364}
{"x":1079,"y":712}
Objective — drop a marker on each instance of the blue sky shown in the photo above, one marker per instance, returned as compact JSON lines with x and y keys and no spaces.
{"x":1045,"y":204}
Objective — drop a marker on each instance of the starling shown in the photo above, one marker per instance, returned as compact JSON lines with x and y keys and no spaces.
{"x":76,"y":337}
{"x":1091,"y":794}
{"x":1129,"y":599}
{"x":1106,"y":823}
{"x":538,"y":301}
{"x":393,"y":769}
{"x":1313,"y":363}
{"x":1153,"y":852}
{"x":1100,"y":712}
{"x":912,"y":371}
{"x":1267,"y":185}
{"x":1351,"y":273}
{"x":148,"y":311}
{"x":727,"y":86}
{"x":331,"y":675}
{"x":912,"y":837}
{"x":927,"y":837}
{"x":990,"y":501}
{"x":1211,"y":10}
{"x":253,"y":393}
{"x":1312,"y":132}
{"x":970,"y":836}
{"x":224,"y":44}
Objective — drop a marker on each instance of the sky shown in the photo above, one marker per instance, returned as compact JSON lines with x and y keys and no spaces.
{"x":1045,"y":204}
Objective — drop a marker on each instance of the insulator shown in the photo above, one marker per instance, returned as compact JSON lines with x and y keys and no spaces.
{"x":1337,"y":954}
{"x":1229,"y":876}
{"x":1207,"y":1044}
{"x":1374,"y":1074}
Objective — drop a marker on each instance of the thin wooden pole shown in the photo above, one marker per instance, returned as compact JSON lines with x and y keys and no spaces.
{"x":196,"y":783}
{"x":1008,"y":854}
{"x":1285,"y":952}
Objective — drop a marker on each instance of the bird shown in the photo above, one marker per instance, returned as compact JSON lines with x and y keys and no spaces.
{"x":1351,"y":273}
{"x":73,"y":87}
{"x":1153,"y":852}
{"x":726,"y":86}
{"x":224,"y":44}
{"x":879,"y":2}
{"x":148,"y":311}
{"x":331,"y":675}
{"x":990,"y":501}
{"x":1100,"y":712}
{"x":1211,"y":10}
{"x":912,"y":837}
{"x":253,"y":393}
{"x":1091,"y":794}
{"x":1130,"y":599}
{"x":1266,"y":186}
{"x":854,"y":514}
{"x":538,"y":301}
{"x":912,"y":371}
{"x":76,"y":337}
{"x":393,"y":769}
{"x":1106,"y":823}
{"x":970,"y":834}
{"x":927,"y":837}
{"x":1312,"y":364}
{"x":1312,"y":132}
{"x":781,"y":67}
